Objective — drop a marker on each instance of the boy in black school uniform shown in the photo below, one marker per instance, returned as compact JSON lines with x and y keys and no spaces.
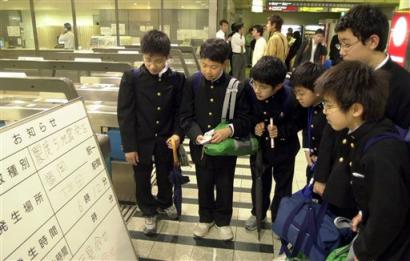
{"x":201,"y":111}
{"x":148,"y":106}
{"x":363,"y":34}
{"x":302,"y":81}
{"x":379,"y":168}
{"x":271,"y":99}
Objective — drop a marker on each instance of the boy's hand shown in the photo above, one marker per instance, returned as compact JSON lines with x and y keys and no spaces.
{"x":132,"y":158}
{"x":200,"y":139}
{"x":259,"y":129}
{"x":221,"y":135}
{"x":273,"y":131}
{"x":176,"y":139}
{"x":319,"y":188}
{"x":356,"y":221}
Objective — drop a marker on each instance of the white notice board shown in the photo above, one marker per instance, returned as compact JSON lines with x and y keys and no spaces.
{"x":56,"y":199}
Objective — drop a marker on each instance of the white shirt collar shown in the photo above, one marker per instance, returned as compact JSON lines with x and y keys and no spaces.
{"x":382,"y":63}
{"x":163,"y":70}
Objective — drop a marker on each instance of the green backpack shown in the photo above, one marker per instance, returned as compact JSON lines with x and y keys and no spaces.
{"x":231,"y":146}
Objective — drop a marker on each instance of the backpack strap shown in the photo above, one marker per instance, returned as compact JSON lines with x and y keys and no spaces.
{"x":385,"y":136}
{"x":232,"y":102}
{"x":197,"y":82}
{"x":227,"y":100}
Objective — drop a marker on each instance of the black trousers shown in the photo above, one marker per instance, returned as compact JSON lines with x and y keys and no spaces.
{"x":147,"y":203}
{"x":219,"y":174}
{"x":282,"y":173}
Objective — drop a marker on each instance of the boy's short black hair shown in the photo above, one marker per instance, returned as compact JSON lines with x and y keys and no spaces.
{"x":277,"y":20}
{"x":155,"y":42}
{"x":352,"y":82}
{"x":306,"y":74}
{"x":364,"y":21}
{"x":67,"y":26}
{"x":258,"y":28}
{"x":214,"y":49}
{"x":269,"y":70}
{"x":223,"y":21}
{"x":236,"y":27}
{"x":320,"y":31}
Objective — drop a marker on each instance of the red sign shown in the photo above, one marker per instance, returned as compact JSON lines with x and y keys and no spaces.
{"x":399,"y":37}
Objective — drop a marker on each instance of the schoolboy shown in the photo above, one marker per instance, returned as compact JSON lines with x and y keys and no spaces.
{"x":279,"y":143}
{"x":302,"y":82}
{"x":379,"y":167}
{"x":201,"y":111}
{"x":148,"y":105}
{"x":363,"y":34}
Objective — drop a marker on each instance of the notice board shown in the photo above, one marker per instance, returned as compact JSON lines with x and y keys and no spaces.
{"x":56,"y":199}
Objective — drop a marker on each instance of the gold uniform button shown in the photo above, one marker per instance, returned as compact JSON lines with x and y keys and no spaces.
{"x":344,"y":141}
{"x":156,"y":134}
{"x":266,"y":138}
{"x":315,"y":112}
{"x":158,"y":94}
{"x":158,"y":108}
{"x":209,"y":126}
{"x":313,"y":138}
{"x":159,"y":79}
{"x":212,"y":86}
{"x":265,"y":113}
{"x":266,"y":120}
{"x":352,"y":145}
{"x":210,"y":113}
{"x":311,"y":126}
{"x":341,"y":159}
{"x":157,"y":122}
{"x":211,"y":100}
{"x":266,"y":101}
{"x":350,"y":164}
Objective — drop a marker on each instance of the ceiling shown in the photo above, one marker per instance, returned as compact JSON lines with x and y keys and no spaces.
{"x":242,"y":4}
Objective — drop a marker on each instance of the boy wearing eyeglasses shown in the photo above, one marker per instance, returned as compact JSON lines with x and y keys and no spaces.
{"x":278,"y":120}
{"x":376,"y":156}
{"x":148,"y":106}
{"x":302,"y":82}
{"x":363,"y":34}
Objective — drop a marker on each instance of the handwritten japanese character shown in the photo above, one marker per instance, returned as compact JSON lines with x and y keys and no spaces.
{"x":87,"y":198}
{"x":24,"y":163}
{"x":12,"y":170}
{"x":32,"y":253}
{"x":15,"y":215}
{"x":94,"y":217}
{"x":17,"y":139}
{"x":31,"y":132}
{"x":43,"y":241}
{"x":38,"y":153}
{"x":53,"y":231}
{"x":64,"y":251}
{"x":28,"y":207}
{"x":42,"y":127}
{"x":53,"y":122}
{"x":1,"y":179}
{"x":39,"y":198}
{"x":3,"y":227}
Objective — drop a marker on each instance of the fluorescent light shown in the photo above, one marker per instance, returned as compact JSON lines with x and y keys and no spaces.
{"x":257,"y":6}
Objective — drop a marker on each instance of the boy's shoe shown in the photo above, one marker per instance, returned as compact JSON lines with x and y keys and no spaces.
{"x":171,"y":212}
{"x":250,"y":223}
{"x":201,"y":229}
{"x":225,"y":233}
{"x":150,"y":225}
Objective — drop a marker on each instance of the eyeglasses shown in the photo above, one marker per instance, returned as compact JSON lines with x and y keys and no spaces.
{"x":328,"y":107}
{"x":345,"y":46}
{"x":258,"y":86}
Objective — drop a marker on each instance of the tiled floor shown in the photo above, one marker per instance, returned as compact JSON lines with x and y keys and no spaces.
{"x":175,"y":242}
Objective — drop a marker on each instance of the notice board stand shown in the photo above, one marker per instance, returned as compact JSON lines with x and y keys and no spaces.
{"x":56,"y":199}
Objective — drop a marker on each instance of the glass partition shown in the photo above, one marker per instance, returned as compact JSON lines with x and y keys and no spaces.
{"x":51,"y":16}
{"x":16,"y":29}
{"x":96,"y":23}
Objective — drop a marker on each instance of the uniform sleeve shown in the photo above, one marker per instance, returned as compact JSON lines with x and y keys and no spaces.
{"x":126,"y":113}
{"x":325,"y":157}
{"x":187,"y":112}
{"x":178,"y":100}
{"x":242,"y":120}
{"x":387,"y":196}
{"x":295,"y":122}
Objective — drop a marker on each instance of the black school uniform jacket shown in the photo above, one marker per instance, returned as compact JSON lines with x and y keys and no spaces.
{"x":380,"y":184}
{"x":148,"y":112}
{"x":398,"y":104}
{"x":305,"y":51}
{"x":398,"y":110}
{"x":201,"y":111}
{"x":312,"y":134}
{"x":287,"y":115}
